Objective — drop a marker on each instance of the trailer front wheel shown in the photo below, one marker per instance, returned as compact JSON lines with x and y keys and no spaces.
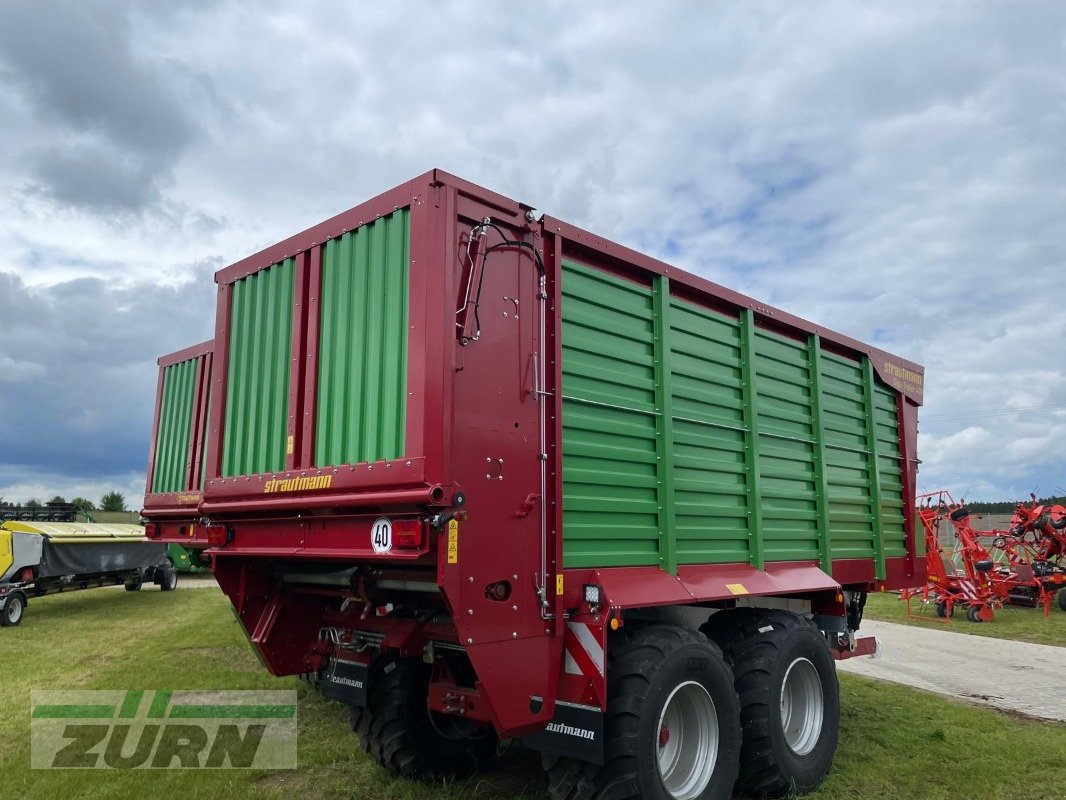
{"x":13,"y":610}
{"x":789,"y":700}
{"x":672,"y":727}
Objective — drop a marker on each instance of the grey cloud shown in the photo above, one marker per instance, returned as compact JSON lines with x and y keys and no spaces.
{"x":78,"y":373}
{"x":127,"y":114}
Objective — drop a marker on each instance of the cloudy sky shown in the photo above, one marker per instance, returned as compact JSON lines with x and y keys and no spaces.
{"x":895,"y":171}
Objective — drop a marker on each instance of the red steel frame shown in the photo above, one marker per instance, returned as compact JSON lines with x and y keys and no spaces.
{"x":516,"y":647}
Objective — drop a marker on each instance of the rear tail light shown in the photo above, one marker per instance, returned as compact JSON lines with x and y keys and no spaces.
{"x":151,"y":530}
{"x":407,"y":534}
{"x":218,"y":535}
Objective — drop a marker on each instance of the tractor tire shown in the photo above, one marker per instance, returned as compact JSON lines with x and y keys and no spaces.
{"x":399,"y":731}
{"x":789,"y":701}
{"x":672,"y":728}
{"x":14,"y":610}
{"x":942,"y":609}
{"x":1062,"y":599}
{"x":973,"y":613}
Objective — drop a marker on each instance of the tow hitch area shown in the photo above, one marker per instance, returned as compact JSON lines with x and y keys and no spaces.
{"x":346,"y":681}
{"x":576,"y":730}
{"x":866,"y":646}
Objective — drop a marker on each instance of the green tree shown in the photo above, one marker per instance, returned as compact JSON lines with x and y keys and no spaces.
{"x":83,"y":505}
{"x":113,"y":501}
{"x":33,"y":502}
{"x":57,"y":500}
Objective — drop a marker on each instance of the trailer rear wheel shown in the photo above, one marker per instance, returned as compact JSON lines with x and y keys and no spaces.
{"x":400,"y":732}
{"x":14,"y":609}
{"x":672,"y":727}
{"x":789,"y":699}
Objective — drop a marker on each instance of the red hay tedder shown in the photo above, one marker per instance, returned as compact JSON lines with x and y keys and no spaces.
{"x":1021,"y":566}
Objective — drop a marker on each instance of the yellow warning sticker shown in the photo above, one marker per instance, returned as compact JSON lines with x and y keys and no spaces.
{"x":290,"y":445}
{"x":559,"y":583}
{"x":736,"y":588}
{"x":453,"y":541}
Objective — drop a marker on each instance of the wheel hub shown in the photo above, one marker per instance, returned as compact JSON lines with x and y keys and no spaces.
{"x":802,"y":706}
{"x":687,"y":741}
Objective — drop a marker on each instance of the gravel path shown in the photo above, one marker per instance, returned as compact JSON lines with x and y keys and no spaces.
{"x":1011,"y":676}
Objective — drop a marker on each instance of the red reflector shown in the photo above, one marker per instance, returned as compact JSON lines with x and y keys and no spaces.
{"x":407,"y":534}
{"x":151,"y":530}
{"x":27,"y":575}
{"x":217,"y":535}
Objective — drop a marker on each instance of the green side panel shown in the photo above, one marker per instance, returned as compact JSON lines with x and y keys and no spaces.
{"x":257,"y":381}
{"x":788,"y":477}
{"x":175,"y":420}
{"x":693,"y":437}
{"x":848,"y":464}
{"x":361,"y":413}
{"x":610,"y":422}
{"x":711,"y":504}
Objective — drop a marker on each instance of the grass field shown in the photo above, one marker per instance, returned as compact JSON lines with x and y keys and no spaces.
{"x":896,"y":743}
{"x":1011,"y":622}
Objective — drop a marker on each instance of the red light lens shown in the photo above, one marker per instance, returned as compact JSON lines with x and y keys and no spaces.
{"x":407,"y":534}
{"x":151,"y":530}
{"x":216,"y":535}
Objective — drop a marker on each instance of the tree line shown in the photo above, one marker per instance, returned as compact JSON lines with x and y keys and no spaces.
{"x":109,"y":501}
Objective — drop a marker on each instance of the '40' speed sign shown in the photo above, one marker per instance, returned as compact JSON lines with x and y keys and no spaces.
{"x":381,"y":535}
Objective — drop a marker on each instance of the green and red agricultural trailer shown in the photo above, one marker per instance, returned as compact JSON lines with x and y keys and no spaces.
{"x":492,"y":476}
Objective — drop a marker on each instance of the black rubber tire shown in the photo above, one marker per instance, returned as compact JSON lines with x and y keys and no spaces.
{"x":168,"y":579}
{"x":761,"y":645}
{"x":959,"y":513}
{"x":134,"y":586}
{"x":14,"y":610}
{"x":395,"y":727}
{"x":1058,"y":523}
{"x":942,"y":609}
{"x":643,"y":667}
{"x":973,"y":613}
{"x":1062,"y":599}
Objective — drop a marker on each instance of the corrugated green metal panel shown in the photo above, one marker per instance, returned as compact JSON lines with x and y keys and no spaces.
{"x":693,"y":437}
{"x":788,"y":478}
{"x":257,"y":383}
{"x":362,"y":376}
{"x":847,"y":457}
{"x":175,"y":420}
{"x":610,"y":483}
{"x":890,"y":470}
{"x":711,"y":503}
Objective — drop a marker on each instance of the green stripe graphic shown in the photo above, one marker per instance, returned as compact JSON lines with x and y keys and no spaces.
{"x":73,"y":711}
{"x":233,"y":711}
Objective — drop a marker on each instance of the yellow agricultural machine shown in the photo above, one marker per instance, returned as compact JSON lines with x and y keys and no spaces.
{"x":43,"y":557}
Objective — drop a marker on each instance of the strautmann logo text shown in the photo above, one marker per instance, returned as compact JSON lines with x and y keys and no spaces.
{"x":163,"y":729}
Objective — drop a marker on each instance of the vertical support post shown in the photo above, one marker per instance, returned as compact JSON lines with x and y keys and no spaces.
{"x":310,"y":359}
{"x":821,"y":471}
{"x":664,"y":458}
{"x":875,"y":468}
{"x":756,"y":554}
{"x":219,"y":376}
{"x":297,"y":363}
{"x":150,"y":478}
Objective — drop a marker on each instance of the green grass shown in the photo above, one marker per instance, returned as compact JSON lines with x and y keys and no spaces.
{"x":896,"y":743}
{"x":1011,"y":622}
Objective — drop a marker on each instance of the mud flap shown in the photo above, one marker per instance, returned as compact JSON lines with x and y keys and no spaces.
{"x":576,"y":731}
{"x":346,"y":681}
